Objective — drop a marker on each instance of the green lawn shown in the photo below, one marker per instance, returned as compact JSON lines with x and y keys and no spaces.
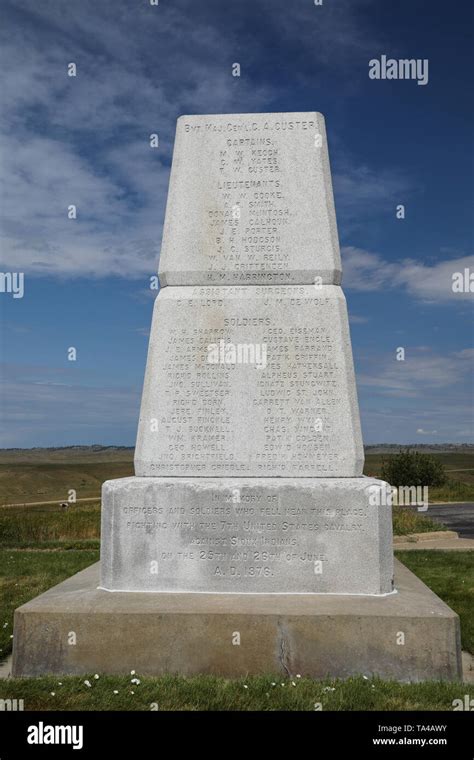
{"x":451,"y":576}
{"x":25,"y":574}
{"x":212,"y":693}
{"x":407,"y":520}
{"x":33,"y":526}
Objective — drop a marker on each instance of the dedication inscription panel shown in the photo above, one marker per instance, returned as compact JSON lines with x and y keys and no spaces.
{"x":250,"y":202}
{"x":255,"y":535}
{"x":245,"y":380}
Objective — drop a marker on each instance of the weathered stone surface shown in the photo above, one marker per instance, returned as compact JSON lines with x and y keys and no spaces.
{"x":250,"y":202}
{"x":292,"y":412}
{"x":246,"y":535}
{"x":313,"y":635}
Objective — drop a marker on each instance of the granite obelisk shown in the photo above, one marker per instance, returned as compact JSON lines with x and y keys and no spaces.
{"x":249,"y":453}
{"x":248,"y":513}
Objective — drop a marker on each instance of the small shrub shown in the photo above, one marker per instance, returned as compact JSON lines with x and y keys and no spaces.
{"x":412,"y":468}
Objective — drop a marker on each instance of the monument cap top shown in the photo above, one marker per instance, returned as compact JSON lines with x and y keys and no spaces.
{"x":251,"y":114}
{"x":250,"y":202}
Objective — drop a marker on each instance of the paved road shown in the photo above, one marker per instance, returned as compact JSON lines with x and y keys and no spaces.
{"x":54,"y":501}
{"x":458,"y":517}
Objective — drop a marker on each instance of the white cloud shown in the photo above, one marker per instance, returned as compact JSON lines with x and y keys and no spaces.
{"x":84,"y":140}
{"x":434,"y":283}
{"x":366,"y":271}
{"x":422,"y":372}
{"x":111,"y":235}
{"x":362,"y":192}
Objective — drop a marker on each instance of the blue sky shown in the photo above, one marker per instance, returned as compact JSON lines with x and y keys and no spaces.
{"x":84,"y":140}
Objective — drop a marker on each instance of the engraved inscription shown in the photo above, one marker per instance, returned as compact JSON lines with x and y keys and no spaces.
{"x":287,"y":417}
{"x":251,"y":202}
{"x":264,"y":535}
{"x":249,"y":212}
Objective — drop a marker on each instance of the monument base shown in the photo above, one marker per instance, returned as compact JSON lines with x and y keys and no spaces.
{"x":407,"y":636}
{"x":247,"y":535}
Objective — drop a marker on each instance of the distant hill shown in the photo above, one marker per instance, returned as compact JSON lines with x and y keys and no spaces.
{"x":97,"y":448}
{"x":435,"y":448}
{"x":66,"y":454}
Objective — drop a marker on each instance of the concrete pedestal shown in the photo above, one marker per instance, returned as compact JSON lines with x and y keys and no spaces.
{"x":187,"y":634}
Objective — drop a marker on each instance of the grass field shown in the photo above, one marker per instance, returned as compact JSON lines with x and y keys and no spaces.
{"x":459,"y":467}
{"x":406,"y":520}
{"x":25,"y":574}
{"x":460,"y":463}
{"x":43,"y":481}
{"x":49,"y":474}
{"x":450,"y":574}
{"x":212,"y":693}
{"x":24,"y":527}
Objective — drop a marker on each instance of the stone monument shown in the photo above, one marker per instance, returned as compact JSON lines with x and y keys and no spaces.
{"x":249,"y":511}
